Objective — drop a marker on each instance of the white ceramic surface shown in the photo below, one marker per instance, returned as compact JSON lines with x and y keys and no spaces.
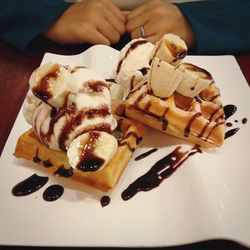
{"x":206,"y":198}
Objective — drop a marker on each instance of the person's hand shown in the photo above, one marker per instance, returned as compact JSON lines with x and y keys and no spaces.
{"x":89,"y":21}
{"x":158,"y":18}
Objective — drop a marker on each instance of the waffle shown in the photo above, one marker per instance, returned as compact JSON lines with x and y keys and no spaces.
{"x":199,"y":120}
{"x":129,"y":134}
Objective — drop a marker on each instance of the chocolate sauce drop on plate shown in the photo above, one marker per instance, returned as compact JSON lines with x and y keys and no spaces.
{"x":229,"y":110}
{"x":229,"y":124}
{"x":29,"y":185}
{"x":53,"y":192}
{"x":244,"y":120}
{"x":161,"y":170}
{"x":105,"y":200}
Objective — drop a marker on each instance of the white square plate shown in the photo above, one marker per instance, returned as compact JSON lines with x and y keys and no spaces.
{"x":206,"y":198}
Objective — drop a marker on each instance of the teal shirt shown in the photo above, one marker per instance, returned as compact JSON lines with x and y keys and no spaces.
{"x":220,"y":27}
{"x":21,"y":22}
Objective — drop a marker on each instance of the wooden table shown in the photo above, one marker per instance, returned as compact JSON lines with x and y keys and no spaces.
{"x":15,"y":70}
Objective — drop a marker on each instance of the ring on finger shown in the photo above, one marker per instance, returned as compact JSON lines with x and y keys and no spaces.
{"x":142,"y":31}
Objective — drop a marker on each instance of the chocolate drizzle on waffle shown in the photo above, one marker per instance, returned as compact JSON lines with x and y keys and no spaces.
{"x":188,"y":127}
{"x":199,"y":117}
{"x":64,"y":172}
{"x":124,"y":140}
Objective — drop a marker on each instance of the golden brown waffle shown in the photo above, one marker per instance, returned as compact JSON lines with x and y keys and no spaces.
{"x":56,"y":162}
{"x":199,"y":120}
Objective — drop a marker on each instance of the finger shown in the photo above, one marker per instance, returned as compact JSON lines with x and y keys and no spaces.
{"x":116,"y":23}
{"x":137,"y":21}
{"x":149,"y":31}
{"x":96,"y":37}
{"x":137,"y":11}
{"x":107,"y":30}
{"x":114,"y":9}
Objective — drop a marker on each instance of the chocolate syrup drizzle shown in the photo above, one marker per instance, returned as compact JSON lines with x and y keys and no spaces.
{"x":161,"y":170}
{"x":124,"y":140}
{"x":142,"y":156}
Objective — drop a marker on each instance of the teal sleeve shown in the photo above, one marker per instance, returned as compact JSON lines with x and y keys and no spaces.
{"x":220,"y":27}
{"x":21,"y":22}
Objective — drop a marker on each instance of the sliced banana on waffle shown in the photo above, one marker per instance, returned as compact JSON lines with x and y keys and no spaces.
{"x":168,"y":74}
{"x":164,"y":78}
{"x":92,"y":150}
{"x":171,"y":49}
{"x":195,"y":79}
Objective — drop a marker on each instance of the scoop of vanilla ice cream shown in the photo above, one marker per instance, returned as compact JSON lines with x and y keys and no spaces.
{"x":133,"y":60}
{"x":170,"y":48}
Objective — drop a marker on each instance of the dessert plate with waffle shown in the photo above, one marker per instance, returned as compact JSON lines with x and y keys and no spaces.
{"x":147,"y":139}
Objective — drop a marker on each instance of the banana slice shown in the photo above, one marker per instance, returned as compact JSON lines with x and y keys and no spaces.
{"x":92,"y":151}
{"x":52,"y":83}
{"x":171,"y":49}
{"x":163,"y":78}
{"x":195,"y":79}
